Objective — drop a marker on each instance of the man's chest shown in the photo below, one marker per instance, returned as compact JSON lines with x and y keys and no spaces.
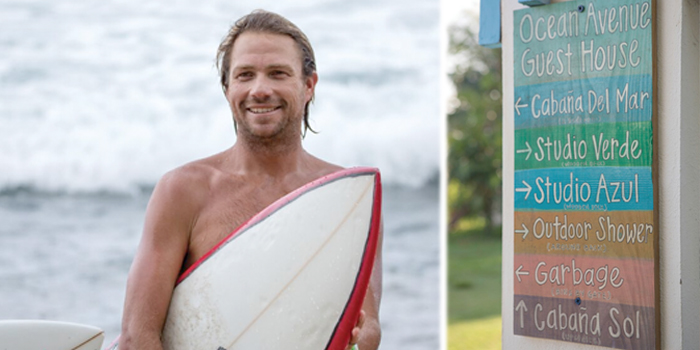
{"x":224,"y":212}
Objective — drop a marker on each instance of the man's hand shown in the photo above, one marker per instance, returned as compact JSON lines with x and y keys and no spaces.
{"x":356,"y":331}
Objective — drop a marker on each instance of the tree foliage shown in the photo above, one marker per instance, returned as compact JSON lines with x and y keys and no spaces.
{"x":475,"y":132}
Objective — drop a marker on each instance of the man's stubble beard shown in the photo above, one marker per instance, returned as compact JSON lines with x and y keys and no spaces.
{"x":283,"y":138}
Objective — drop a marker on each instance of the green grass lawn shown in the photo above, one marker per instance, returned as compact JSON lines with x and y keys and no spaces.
{"x":474,"y":289}
{"x":481,"y":334}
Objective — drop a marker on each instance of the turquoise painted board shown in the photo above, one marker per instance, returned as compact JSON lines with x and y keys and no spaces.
{"x":534,"y":2}
{"x":584,"y":168}
{"x":584,"y":101}
{"x":584,"y":189}
{"x":558,"y":42}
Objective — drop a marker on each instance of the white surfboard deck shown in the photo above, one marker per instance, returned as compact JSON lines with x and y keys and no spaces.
{"x":293,"y":277}
{"x":48,"y":335}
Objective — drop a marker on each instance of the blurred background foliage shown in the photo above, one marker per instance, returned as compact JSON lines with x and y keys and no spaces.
{"x":474,"y":194}
{"x":474,"y":133}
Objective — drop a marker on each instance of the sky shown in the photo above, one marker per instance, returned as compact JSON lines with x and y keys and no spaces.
{"x":451,"y":10}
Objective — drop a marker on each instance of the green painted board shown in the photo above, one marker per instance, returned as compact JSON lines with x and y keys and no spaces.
{"x":608,"y":144}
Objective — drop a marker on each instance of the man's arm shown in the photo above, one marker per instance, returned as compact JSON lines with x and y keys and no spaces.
{"x":169,"y":218}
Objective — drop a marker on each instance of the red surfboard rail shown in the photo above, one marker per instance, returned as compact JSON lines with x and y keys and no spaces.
{"x":343,"y":333}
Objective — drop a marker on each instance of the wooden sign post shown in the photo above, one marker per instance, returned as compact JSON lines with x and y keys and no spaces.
{"x":586,"y":244}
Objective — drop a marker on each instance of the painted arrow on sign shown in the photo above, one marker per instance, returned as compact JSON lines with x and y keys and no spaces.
{"x":518,"y":105}
{"x":524,"y":231}
{"x":520,"y":271}
{"x":522,"y":308}
{"x":528,"y":150}
{"x":525,"y":189}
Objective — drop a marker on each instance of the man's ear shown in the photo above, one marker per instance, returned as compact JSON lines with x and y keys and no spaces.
{"x":310,"y":84}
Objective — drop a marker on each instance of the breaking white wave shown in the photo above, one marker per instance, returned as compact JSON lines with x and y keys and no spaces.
{"x":109,"y":95}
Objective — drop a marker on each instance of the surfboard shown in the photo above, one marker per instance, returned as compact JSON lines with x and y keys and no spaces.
{"x":294,"y":276}
{"x":48,"y":335}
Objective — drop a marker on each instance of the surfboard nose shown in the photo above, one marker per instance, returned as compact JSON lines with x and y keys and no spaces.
{"x":49,"y":335}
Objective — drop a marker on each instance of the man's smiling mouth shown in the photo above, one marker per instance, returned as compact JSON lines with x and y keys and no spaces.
{"x":262,"y":110}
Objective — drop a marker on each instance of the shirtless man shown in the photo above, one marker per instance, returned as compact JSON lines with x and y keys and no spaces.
{"x":268,"y":78}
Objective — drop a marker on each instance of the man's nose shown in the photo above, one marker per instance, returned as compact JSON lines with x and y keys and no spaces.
{"x":261,"y":88}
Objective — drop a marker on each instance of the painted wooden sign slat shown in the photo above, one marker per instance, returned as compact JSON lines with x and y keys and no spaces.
{"x":586,"y":246}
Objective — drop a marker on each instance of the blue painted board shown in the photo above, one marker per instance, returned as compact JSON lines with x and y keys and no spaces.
{"x":490,"y":23}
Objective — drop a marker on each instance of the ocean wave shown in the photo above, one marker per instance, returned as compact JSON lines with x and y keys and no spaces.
{"x":28,"y":190}
{"x":11,"y":190}
{"x":104,"y":100}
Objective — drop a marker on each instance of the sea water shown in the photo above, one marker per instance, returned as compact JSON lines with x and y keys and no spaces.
{"x":66,"y":257}
{"x":99,"y":98}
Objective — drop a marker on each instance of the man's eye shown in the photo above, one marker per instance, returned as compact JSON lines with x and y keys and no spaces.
{"x":244,"y":75}
{"x":278,"y":74}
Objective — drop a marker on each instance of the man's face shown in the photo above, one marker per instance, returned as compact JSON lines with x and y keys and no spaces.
{"x":267,"y":91}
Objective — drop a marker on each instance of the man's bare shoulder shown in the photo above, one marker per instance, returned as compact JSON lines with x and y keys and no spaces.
{"x":190,"y":182}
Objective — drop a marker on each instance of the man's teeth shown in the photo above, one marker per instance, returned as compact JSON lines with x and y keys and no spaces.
{"x":262,"y":110}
